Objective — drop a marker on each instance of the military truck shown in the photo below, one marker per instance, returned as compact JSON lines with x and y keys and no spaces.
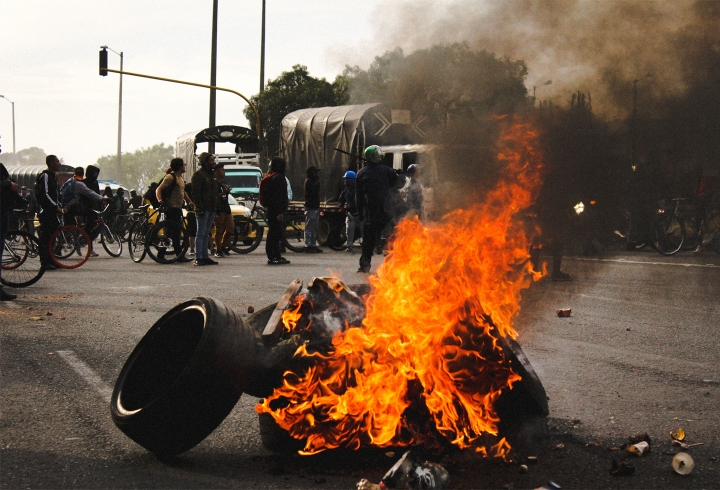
{"x":333,"y":140}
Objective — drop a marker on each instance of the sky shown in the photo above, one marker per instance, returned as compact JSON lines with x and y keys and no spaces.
{"x":49,"y":65}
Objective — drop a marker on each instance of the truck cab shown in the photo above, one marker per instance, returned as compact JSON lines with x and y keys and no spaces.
{"x":244,"y":180}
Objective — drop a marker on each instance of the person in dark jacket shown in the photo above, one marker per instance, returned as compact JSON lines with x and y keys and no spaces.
{"x":277,"y":204}
{"x":91,"y":182}
{"x":347,"y":200}
{"x":373,"y":185}
{"x":49,"y":201}
{"x":205,"y":195}
{"x":224,"y":225}
{"x":312,"y":209}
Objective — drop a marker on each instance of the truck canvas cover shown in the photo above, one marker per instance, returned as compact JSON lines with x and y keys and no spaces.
{"x":309,"y":137}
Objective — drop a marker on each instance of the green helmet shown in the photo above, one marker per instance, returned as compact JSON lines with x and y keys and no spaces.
{"x":373,"y":154}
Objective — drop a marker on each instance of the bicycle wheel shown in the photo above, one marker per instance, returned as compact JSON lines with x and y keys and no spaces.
{"x":21,"y":264}
{"x":294,"y":233}
{"x":667,"y":235}
{"x":691,"y":235}
{"x":110,"y":242}
{"x":339,"y":239}
{"x":247,"y":236}
{"x":69,"y":247}
{"x":166,"y":242}
{"x":713,"y":228}
{"x":136,"y":241}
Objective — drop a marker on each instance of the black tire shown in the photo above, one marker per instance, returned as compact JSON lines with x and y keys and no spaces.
{"x":294,"y":233}
{"x":691,"y":235}
{"x":160,"y":245}
{"x":111,"y":242}
{"x":136,"y":241}
{"x":21,"y":264}
{"x":69,"y":247}
{"x":247,"y":235}
{"x":275,"y":438}
{"x":667,"y":235}
{"x":184,"y":377}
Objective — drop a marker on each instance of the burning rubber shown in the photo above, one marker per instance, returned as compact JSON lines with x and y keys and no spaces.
{"x":190,"y":369}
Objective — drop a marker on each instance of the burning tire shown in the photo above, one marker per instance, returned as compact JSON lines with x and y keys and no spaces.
{"x":184,"y":377}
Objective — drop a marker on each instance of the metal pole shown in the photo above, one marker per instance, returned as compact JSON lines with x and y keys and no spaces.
{"x":119,"y":147}
{"x":213,"y":73}
{"x":262,"y":50}
{"x":13,"y":117}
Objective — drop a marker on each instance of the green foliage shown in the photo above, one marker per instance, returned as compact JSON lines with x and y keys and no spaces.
{"x":139,"y":168}
{"x":291,"y":91}
{"x":28,"y":156}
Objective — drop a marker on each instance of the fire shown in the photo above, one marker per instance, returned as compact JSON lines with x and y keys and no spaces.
{"x":426,"y":364}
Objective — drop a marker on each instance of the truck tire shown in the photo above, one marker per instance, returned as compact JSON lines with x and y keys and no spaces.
{"x":184,"y":377}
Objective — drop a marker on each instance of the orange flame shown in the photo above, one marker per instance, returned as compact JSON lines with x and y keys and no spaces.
{"x":427,"y":361}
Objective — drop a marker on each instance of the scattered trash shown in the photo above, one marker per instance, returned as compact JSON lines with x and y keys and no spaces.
{"x":594,"y":443}
{"x":531,"y":459}
{"x":49,"y":313}
{"x":251,"y":309}
{"x":551,"y":485}
{"x":563,"y":312}
{"x":683,"y":464}
{"x":640,"y":437}
{"x":390,"y":454}
{"x":523,"y":468}
{"x":558,"y":447}
{"x":678,"y":435}
{"x":613,"y":448}
{"x":684,"y":445}
{"x":36,"y":318}
{"x":29,"y":307}
{"x":143,"y":309}
{"x":621,"y":469}
{"x":408,"y":473}
{"x":366,"y":485}
{"x":639,"y":449}
{"x":51,"y":353}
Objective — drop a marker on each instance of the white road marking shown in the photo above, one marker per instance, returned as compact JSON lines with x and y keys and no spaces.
{"x":86,"y":373}
{"x":625,"y":261}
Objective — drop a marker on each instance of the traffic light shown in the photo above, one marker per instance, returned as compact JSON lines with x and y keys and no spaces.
{"x":103,"y":62}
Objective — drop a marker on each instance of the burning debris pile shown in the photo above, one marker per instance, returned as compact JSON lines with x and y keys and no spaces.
{"x":428,"y":356}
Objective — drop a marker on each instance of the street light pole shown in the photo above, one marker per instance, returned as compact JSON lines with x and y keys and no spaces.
{"x":119,"y":141}
{"x":213,"y":73}
{"x":13,"y":118}
{"x":262,"y":50}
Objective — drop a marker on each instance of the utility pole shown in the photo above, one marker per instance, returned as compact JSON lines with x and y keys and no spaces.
{"x":13,"y":118}
{"x":633,"y":155}
{"x":119,"y":147}
{"x":262,"y":50}
{"x":213,"y":73}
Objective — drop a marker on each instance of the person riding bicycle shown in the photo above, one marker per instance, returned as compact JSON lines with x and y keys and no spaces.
{"x":75,"y":207}
{"x":171,"y":194}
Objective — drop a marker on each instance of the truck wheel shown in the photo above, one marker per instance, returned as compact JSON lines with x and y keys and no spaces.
{"x":276,"y":439}
{"x":184,"y":377}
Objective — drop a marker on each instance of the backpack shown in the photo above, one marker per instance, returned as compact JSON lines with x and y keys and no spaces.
{"x":264,"y":189}
{"x":67,"y":191}
{"x":37,"y":188}
{"x":150,"y":195}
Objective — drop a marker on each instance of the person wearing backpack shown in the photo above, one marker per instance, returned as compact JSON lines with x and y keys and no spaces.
{"x":170,"y":193}
{"x":47,"y":193}
{"x":274,"y":197}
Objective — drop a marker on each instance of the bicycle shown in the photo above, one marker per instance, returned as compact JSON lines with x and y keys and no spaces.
{"x":21,"y":265}
{"x":710,"y":227}
{"x":70,"y":245}
{"x":249,"y":230}
{"x":676,"y":230}
{"x":153,"y":235}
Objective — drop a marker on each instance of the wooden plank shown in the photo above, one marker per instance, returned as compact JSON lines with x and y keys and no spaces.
{"x":273,"y":329}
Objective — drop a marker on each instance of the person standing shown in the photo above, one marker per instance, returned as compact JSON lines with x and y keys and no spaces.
{"x":277,"y":203}
{"x":414,"y":193}
{"x":47,"y":194}
{"x":135,"y":199}
{"x":224,"y":226}
{"x":347,"y":200}
{"x":172,"y":187}
{"x":312,"y":209}
{"x":205,"y":195}
{"x":373,"y":185}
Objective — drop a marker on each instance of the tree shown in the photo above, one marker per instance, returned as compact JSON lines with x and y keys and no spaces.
{"x":28,"y":156}
{"x":291,"y":91}
{"x":139,"y":168}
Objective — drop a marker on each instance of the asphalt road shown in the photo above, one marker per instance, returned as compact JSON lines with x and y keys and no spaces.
{"x":639,"y":354}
